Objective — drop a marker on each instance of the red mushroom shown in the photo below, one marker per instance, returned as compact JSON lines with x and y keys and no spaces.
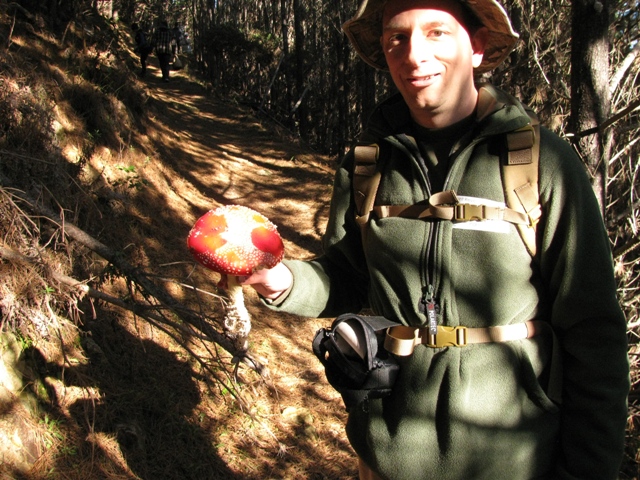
{"x":235,"y":240}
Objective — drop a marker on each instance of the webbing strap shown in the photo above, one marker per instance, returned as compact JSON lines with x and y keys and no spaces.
{"x":446,"y":206}
{"x":365,"y":181}
{"x":520,"y":179}
{"x":520,"y":182}
{"x":401,"y":340}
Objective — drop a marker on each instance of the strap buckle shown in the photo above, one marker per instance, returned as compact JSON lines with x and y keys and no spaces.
{"x":448,"y":337}
{"x":465,"y":212}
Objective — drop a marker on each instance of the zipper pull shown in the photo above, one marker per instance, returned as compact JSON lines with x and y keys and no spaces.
{"x":429,"y":307}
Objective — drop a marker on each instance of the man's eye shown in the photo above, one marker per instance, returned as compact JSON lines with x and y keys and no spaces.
{"x":396,"y":39}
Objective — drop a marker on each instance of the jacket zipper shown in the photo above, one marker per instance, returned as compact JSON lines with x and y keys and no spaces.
{"x":428,"y":303}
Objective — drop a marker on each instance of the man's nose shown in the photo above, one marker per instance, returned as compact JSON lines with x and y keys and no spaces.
{"x":419,"y":49}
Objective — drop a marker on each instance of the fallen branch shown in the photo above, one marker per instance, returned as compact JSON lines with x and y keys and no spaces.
{"x":626,"y":248}
{"x":142,"y":311}
{"x":610,"y":121}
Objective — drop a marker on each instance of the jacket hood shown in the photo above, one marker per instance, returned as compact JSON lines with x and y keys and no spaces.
{"x":497,"y":113}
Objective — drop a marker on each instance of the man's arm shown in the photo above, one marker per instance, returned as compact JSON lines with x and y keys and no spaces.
{"x":577,"y":265}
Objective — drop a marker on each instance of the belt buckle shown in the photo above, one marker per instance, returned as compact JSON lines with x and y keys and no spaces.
{"x":448,"y":337}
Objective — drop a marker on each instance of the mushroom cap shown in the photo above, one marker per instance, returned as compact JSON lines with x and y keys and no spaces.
{"x":235,"y":240}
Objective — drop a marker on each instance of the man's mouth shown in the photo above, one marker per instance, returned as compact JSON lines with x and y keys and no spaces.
{"x":422,"y":80}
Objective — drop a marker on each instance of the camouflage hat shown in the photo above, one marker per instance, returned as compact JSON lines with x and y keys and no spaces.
{"x":365,"y":28}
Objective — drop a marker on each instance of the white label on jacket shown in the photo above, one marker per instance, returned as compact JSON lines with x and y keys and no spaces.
{"x":497,"y":226}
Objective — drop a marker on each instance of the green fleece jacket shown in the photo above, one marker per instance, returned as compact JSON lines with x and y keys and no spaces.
{"x":481,"y":411}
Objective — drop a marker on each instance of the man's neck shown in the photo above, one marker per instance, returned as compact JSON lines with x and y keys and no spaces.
{"x":444,"y":118}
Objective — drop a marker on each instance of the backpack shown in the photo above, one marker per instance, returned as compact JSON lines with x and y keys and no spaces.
{"x":519,"y":169}
{"x":142,"y":45}
{"x":141,"y":38}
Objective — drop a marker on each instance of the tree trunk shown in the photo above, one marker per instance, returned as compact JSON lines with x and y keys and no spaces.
{"x":590,"y":97}
{"x":284,"y":20}
{"x":298,"y":22}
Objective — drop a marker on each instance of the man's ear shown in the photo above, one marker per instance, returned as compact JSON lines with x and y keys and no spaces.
{"x":478,"y":43}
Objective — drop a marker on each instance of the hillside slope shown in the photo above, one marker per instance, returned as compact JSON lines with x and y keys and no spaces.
{"x":133,"y":164}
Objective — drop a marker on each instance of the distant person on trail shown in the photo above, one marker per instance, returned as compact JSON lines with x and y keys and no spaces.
{"x":177,"y":36}
{"x":510,"y":350}
{"x":163,"y":41}
{"x":142,"y":47}
{"x":186,"y":43}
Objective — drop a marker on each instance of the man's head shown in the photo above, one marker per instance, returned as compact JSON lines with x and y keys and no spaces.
{"x":431,"y":48}
{"x":365,"y":28}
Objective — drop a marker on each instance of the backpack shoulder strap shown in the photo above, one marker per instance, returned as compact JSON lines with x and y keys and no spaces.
{"x":366,"y":179}
{"x":520,"y":178}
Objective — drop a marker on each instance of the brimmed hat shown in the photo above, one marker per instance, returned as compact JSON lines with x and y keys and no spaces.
{"x":365,"y":28}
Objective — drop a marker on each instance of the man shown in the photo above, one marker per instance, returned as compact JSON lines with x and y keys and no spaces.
{"x":142,"y":47}
{"x":162,"y":42}
{"x":550,"y":404}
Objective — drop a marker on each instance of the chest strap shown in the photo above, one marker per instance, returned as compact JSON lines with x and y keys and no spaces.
{"x":401,"y":340}
{"x":446,"y":206}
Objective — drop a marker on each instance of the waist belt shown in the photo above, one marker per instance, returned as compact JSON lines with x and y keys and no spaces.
{"x":401,"y":340}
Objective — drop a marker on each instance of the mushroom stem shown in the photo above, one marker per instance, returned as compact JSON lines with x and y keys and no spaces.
{"x":237,"y":322}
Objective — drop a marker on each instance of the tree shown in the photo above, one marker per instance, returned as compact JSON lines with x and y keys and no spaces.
{"x":590,"y":95}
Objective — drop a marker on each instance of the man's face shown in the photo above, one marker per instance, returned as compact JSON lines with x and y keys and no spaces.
{"x":431,"y":58}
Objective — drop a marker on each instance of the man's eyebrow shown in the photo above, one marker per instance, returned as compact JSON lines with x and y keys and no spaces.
{"x":431,"y":24}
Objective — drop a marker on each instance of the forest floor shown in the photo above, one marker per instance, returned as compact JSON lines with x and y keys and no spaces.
{"x":211,"y":153}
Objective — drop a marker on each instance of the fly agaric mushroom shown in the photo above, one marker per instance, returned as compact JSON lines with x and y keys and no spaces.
{"x":235,"y":240}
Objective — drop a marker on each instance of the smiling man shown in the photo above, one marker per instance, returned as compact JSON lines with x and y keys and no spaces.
{"x":534,"y":382}
{"x":431,"y":57}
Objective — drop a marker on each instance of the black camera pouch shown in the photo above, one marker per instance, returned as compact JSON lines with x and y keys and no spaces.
{"x":355,"y":362}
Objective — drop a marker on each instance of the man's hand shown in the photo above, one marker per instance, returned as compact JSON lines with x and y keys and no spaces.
{"x":269,"y":282}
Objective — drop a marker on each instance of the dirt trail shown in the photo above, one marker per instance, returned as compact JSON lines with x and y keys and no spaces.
{"x":207,"y":153}
{"x":215,"y":153}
